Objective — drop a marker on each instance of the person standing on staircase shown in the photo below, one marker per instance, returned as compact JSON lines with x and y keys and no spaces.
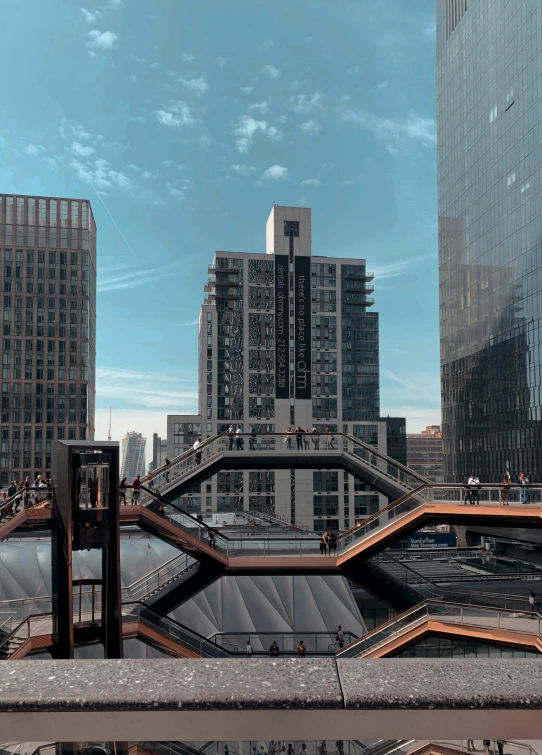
{"x":136,"y":490}
{"x":197,"y":444}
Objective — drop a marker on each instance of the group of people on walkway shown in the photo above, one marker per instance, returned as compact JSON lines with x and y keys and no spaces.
{"x":31,"y":494}
{"x":136,"y":490}
{"x":487,"y":744}
{"x":473,"y":487}
{"x":328,"y":544}
{"x":280,"y":748}
{"x":303,"y":438}
{"x":301,"y":648}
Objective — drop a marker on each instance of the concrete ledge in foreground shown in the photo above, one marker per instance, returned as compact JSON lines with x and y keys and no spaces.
{"x":254,"y":699}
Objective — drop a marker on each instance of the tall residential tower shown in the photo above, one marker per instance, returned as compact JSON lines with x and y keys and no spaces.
{"x":286,"y":339}
{"x":47,"y":347}
{"x":133,"y":456}
{"x":489,"y":55}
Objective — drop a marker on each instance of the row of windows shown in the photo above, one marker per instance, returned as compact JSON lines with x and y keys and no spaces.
{"x":53,"y":257}
{"x":41,"y":415}
{"x":30,"y":236}
{"x":43,"y":212}
{"x":51,"y":288}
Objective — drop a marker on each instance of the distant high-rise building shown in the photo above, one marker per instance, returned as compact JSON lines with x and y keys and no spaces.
{"x":396,"y":446}
{"x":490,"y":223}
{"x":159,"y":452}
{"x":286,"y":338}
{"x":133,"y":455}
{"x":424,"y":453}
{"x":48,"y":341}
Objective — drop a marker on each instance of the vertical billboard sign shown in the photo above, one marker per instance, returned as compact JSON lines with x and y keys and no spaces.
{"x":302,"y":327}
{"x":282,"y":327}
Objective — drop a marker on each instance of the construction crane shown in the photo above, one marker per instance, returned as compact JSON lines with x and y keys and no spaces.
{"x":109,"y":433}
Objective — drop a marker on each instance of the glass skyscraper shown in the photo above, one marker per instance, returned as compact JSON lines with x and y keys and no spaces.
{"x":489,"y":54}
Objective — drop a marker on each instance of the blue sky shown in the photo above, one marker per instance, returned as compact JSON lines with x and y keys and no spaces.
{"x":183,"y":121}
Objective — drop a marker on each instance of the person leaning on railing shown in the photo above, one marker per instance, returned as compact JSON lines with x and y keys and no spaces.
{"x":122,"y":490}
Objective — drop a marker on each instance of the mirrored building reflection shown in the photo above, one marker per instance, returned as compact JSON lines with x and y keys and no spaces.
{"x":490,"y":228}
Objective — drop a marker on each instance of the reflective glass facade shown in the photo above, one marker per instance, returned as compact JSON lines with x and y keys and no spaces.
{"x":490,"y":233}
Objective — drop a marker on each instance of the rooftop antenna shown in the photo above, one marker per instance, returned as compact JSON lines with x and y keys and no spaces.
{"x":109,"y":433}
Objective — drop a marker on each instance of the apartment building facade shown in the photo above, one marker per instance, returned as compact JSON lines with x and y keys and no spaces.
{"x":286,"y":338}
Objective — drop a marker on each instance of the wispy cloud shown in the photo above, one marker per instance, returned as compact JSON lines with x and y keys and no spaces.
{"x":102,"y":40}
{"x":178,"y":188}
{"x":245,"y":129}
{"x":243,"y":170}
{"x":310,"y":128}
{"x":80,"y":150}
{"x":260,"y":107}
{"x":188,"y":324}
{"x":426,"y":386}
{"x":275,"y":173}
{"x":51,"y":164}
{"x":197,"y":84}
{"x":147,"y":389}
{"x":394,"y":269}
{"x":188,"y":57}
{"x":176,"y":115}
{"x":221,"y":61}
{"x":271,"y":72}
{"x":267,"y":45}
{"x":135,"y":277}
{"x":315,"y":182}
{"x":89,"y":16}
{"x":354,"y":70}
{"x":247,"y":90}
{"x":32,"y":149}
{"x":390,"y":130}
{"x":302,"y":103}
{"x":101,"y":174}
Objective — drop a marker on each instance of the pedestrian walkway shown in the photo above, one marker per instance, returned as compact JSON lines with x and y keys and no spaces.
{"x":485,"y":624}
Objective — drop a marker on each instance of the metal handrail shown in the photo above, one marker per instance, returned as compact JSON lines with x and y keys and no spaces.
{"x":379,"y":513}
{"x":196,"y":637}
{"x":426,"y":604}
{"x":459,"y":745}
{"x":13,"y":633}
{"x":447,"y":593}
{"x":187,"y":560}
{"x":160,"y":470}
{"x":20,"y":494}
{"x":284,"y":637}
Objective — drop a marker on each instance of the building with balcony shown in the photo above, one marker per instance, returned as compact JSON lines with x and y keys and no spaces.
{"x":48,"y":341}
{"x":287,"y":338}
